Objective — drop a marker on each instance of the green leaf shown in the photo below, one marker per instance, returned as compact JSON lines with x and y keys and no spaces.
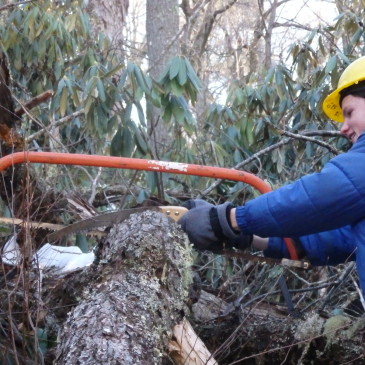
{"x":167,"y":113}
{"x":140,"y":113}
{"x":68,"y":84}
{"x":232,"y":132}
{"x":308,"y":150}
{"x":102,"y":119}
{"x":30,"y":25}
{"x":219,"y":153}
{"x":152,"y":180}
{"x":164,"y":75}
{"x":176,"y":88}
{"x":127,"y":146}
{"x":84,"y":21}
{"x":174,"y":67}
{"x":331,"y":64}
{"x":90,"y":86}
{"x":182,"y":76}
{"x":130,"y":67}
{"x":355,"y":38}
{"x":75,"y":96}
{"x":122,"y":79}
{"x":279,"y":85}
{"x":270,"y":75}
{"x":140,"y":142}
{"x":60,"y":86}
{"x":18,"y":58}
{"x":127,"y":113}
{"x":113,"y":71}
{"x":312,"y":35}
{"x":155,"y":98}
{"x":101,"y":91}
{"x":58,"y":70}
{"x":275,"y":272}
{"x":122,"y":143}
{"x":191,"y":92}
{"x":93,"y":70}
{"x":70,"y":22}
{"x":63,"y":101}
{"x":250,"y":133}
{"x":42,"y":339}
{"x":51,"y":28}
{"x":88,"y":104}
{"x":142,"y":196}
{"x":82,"y":243}
{"x":115,"y":145}
{"x":178,"y":113}
{"x":138,"y":93}
{"x":228,"y":113}
{"x":193,"y":76}
{"x":237,"y":156}
{"x":112,"y":123}
{"x":141,"y":79}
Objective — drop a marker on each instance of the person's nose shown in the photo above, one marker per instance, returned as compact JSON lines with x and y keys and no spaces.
{"x":345,"y":128}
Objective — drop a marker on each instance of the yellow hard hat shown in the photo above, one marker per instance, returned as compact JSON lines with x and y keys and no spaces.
{"x":353,"y":74}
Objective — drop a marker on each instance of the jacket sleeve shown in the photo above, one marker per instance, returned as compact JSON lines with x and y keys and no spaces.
{"x":319,"y":202}
{"x":324,"y":248}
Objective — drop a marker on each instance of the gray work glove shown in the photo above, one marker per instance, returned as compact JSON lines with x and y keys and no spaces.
{"x":208,"y":227}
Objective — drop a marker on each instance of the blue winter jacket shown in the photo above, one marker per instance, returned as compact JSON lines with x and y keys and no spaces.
{"x":325,"y":210}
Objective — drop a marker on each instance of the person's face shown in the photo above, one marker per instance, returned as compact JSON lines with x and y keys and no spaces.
{"x":353,"y":110}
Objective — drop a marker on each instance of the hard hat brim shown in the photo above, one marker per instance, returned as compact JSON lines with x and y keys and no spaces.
{"x":331,"y":104}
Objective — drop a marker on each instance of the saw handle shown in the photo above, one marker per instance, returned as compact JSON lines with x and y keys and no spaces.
{"x":173,"y":212}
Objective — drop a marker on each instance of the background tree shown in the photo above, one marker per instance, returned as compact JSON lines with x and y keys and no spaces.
{"x":109,"y":17}
{"x":162,"y":25}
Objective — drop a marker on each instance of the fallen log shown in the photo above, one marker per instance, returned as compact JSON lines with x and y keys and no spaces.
{"x":138,"y":292}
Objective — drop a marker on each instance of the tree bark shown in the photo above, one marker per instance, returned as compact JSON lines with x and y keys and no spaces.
{"x":138,"y":292}
{"x":108,"y":17}
{"x":162,"y":26}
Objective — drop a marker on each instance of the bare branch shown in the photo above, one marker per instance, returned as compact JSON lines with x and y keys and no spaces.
{"x":310,"y":139}
{"x":57,"y":123}
{"x":292,"y":25}
{"x":291,"y":137}
{"x":207,"y":26}
{"x":30,"y":104}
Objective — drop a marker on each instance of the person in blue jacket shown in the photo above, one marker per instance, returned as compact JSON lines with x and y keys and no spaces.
{"x":323,"y":212}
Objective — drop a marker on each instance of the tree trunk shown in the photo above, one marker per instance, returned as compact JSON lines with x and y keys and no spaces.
{"x":268,"y":34}
{"x":108,"y":17}
{"x":126,"y":315}
{"x":162,"y":27}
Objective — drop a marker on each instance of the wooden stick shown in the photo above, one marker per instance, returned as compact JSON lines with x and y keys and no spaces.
{"x":187,"y":348}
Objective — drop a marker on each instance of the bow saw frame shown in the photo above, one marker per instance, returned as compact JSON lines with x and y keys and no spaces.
{"x":142,"y":164}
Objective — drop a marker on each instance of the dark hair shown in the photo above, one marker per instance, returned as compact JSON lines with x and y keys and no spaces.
{"x":355,"y":90}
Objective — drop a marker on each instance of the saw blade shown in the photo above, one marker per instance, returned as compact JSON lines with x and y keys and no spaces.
{"x":109,"y":219}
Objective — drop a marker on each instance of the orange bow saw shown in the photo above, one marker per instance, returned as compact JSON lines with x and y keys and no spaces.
{"x":146,"y":165}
